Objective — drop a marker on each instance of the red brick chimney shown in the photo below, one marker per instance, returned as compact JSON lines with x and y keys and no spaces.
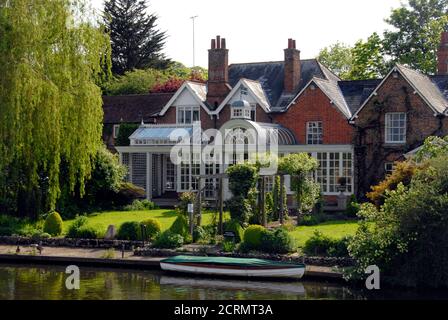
{"x":293,"y":68}
{"x":442,"y":55}
{"x":218,"y":72}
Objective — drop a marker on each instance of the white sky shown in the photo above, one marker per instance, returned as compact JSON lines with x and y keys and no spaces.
{"x":257,"y":30}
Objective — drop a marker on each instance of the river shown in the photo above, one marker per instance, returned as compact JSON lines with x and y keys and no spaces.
{"x":19,"y":282}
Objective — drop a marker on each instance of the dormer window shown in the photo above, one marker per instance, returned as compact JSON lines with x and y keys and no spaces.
{"x":241,"y":109}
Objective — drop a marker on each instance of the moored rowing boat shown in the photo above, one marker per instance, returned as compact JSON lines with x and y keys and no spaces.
{"x":234,"y":267}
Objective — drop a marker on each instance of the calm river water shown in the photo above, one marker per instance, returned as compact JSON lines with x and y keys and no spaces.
{"x":48,"y":282}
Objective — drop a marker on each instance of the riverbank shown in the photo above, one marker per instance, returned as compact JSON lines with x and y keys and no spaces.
{"x":99,"y":257}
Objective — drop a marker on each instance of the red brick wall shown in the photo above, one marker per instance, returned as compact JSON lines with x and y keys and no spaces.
{"x":396,"y":95}
{"x":314,"y":105}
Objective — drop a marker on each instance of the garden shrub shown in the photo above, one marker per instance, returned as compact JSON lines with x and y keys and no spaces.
{"x":153,"y":228}
{"x":318,"y":244}
{"x":168,"y":240}
{"x":40,"y":235}
{"x":240,"y":209}
{"x":86,"y":232}
{"x":53,"y":224}
{"x":310,"y":220}
{"x":407,"y":236}
{"x":199,"y":234}
{"x":235,"y":227}
{"x":277,"y":241}
{"x":129,"y":231}
{"x":181,"y":226}
{"x":140,"y":205}
{"x":185,"y":199}
{"x":322,"y":245}
{"x":253,"y":235}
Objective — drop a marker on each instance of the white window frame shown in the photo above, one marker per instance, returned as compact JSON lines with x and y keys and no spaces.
{"x":237,"y":113}
{"x":341,"y":171}
{"x":314,"y":133}
{"x":184,"y":110}
{"x":387,"y":170}
{"x":115,"y":131}
{"x":388,"y":127}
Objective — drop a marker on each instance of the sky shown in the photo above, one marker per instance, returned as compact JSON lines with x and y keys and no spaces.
{"x":258,"y":30}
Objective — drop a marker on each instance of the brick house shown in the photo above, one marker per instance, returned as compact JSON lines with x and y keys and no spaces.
{"x":355,"y":129}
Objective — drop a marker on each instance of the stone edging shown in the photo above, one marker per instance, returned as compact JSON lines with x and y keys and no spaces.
{"x":71,"y":243}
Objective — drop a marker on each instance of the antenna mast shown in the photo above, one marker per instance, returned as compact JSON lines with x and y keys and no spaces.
{"x":194,"y":46}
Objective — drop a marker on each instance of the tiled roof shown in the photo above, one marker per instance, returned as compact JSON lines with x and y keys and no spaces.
{"x":332,"y":90}
{"x":427,"y":88}
{"x":133,"y":108}
{"x":271,"y":77}
{"x":356,"y":92}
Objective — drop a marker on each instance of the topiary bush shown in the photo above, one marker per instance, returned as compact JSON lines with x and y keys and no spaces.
{"x":235,"y":227}
{"x":153,"y":228}
{"x":278,"y":241}
{"x":129,"y":231}
{"x":168,"y":240}
{"x":252,"y":236}
{"x":181,"y":226}
{"x":53,"y":224}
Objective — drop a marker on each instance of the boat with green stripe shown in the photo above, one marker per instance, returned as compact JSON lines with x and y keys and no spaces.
{"x":233,"y":267}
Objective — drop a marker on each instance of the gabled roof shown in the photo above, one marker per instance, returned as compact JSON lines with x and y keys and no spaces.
{"x":196,"y":89}
{"x":255,"y":89}
{"x":271,"y":75}
{"x":422,"y":84}
{"x":332,"y":91}
{"x":133,"y":108}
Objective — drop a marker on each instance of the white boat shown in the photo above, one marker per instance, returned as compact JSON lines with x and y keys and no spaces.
{"x":233,"y":267}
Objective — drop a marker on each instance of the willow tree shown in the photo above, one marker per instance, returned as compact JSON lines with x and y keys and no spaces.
{"x":51,"y":57}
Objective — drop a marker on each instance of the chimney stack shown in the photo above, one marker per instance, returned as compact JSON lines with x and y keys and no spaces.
{"x":442,"y":55}
{"x":218,"y":72}
{"x":293,"y":69}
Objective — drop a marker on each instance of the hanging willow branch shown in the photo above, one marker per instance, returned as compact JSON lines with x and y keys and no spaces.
{"x":50,"y":106}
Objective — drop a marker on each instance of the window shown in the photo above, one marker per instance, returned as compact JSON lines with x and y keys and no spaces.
{"x":332,"y":166}
{"x":190,"y":168}
{"x":116,"y":130}
{"x":269,"y":183}
{"x":253,"y":112}
{"x":187,"y":115}
{"x":314,"y":132}
{"x":389,"y":168}
{"x":396,"y":127}
{"x":237,"y":113}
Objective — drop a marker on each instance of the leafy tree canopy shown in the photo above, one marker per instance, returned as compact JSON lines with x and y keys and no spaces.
{"x":416,"y":33}
{"x":51,"y":109}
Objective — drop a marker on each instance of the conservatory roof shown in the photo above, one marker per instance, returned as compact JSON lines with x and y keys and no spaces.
{"x":149,"y":135}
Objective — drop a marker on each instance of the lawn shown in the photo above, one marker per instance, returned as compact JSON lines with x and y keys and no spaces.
{"x":104,"y":219}
{"x":334,"y":229}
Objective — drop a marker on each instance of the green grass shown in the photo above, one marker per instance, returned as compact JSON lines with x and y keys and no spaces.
{"x":102,"y":220}
{"x":333,"y":229}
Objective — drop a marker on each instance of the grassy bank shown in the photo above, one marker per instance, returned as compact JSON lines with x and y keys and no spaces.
{"x":334,"y":229}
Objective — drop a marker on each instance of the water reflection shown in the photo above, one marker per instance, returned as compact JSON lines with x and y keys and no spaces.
{"x":48,"y":282}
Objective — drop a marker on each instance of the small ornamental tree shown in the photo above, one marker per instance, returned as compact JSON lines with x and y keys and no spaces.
{"x":299,"y":167}
{"x":278,"y":197}
{"x":126,"y":130}
{"x":242,"y":178}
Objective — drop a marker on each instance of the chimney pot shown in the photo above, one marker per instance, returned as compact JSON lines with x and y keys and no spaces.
{"x":294,"y":44}
{"x":289,"y":43}
{"x":223,"y":43}
{"x":218,"y":42}
{"x":213,"y":44}
{"x":442,"y":55}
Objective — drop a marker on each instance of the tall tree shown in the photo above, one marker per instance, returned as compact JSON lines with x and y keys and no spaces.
{"x":365,"y":60}
{"x":136,"y":41}
{"x":416,"y":35}
{"x":368,"y":59}
{"x":51,"y":108}
{"x":338,"y":58}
